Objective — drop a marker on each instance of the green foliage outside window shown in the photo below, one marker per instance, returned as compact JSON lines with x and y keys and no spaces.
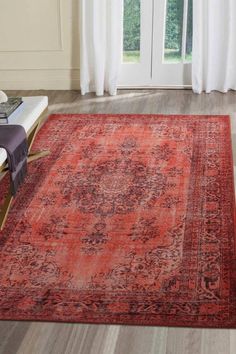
{"x":174,"y":30}
{"x":131,"y":25}
{"x":173,"y":35}
{"x":189,"y":43}
{"x":174,"y":24}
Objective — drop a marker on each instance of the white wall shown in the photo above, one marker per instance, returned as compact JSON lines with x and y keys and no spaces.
{"x":39,"y":44}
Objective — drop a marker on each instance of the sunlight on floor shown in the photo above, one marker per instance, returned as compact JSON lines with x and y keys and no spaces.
{"x":102,"y":99}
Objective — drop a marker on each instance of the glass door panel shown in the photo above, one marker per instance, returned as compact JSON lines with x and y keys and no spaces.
{"x":178,"y":31}
{"x":132,"y":31}
{"x":137,"y":43}
{"x":174,"y":30}
{"x":189,"y":36}
{"x":172,"y":43}
{"x":157,"y":45}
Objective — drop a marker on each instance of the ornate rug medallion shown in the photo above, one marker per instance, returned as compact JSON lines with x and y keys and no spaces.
{"x":114,"y":187}
{"x":129,"y":220}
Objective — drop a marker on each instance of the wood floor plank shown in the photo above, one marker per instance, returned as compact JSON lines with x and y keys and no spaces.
{"x":11,"y":335}
{"x":37,"y":338}
{"x":183,"y":341}
{"x":57,"y":338}
{"x":139,"y":340}
{"x":232,"y":334}
{"x":215,"y":341}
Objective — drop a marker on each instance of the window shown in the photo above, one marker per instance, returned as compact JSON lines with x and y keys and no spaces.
{"x":157,"y":43}
{"x":178,"y":32}
{"x":131,"y":40}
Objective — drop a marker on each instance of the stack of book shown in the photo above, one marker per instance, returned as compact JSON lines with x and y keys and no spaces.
{"x":10,"y":109}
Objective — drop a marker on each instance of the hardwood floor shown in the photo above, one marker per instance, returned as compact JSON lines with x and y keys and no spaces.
{"x":55,"y":338}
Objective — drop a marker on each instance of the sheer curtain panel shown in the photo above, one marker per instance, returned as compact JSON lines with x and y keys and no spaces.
{"x":214,"y":45}
{"x":101,"y":32}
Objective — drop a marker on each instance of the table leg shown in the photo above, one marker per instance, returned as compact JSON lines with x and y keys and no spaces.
{"x":33,"y":156}
{"x":5,"y":210}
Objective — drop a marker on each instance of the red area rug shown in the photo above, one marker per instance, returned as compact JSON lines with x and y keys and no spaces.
{"x":130,"y":220}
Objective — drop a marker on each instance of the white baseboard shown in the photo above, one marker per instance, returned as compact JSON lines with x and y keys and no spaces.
{"x":150,"y":87}
{"x":55,"y":79}
{"x":58,"y":79}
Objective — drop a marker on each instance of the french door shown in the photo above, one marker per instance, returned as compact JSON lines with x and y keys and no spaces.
{"x":157,"y":43}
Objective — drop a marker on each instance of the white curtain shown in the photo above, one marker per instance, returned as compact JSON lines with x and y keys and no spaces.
{"x":214,"y":45}
{"x":101,"y":32}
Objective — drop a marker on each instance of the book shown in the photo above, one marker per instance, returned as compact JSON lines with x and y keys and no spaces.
{"x":13,"y":115}
{"x":7,"y":108}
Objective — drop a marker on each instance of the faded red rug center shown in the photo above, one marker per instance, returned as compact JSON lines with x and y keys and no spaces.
{"x":129,"y":220}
